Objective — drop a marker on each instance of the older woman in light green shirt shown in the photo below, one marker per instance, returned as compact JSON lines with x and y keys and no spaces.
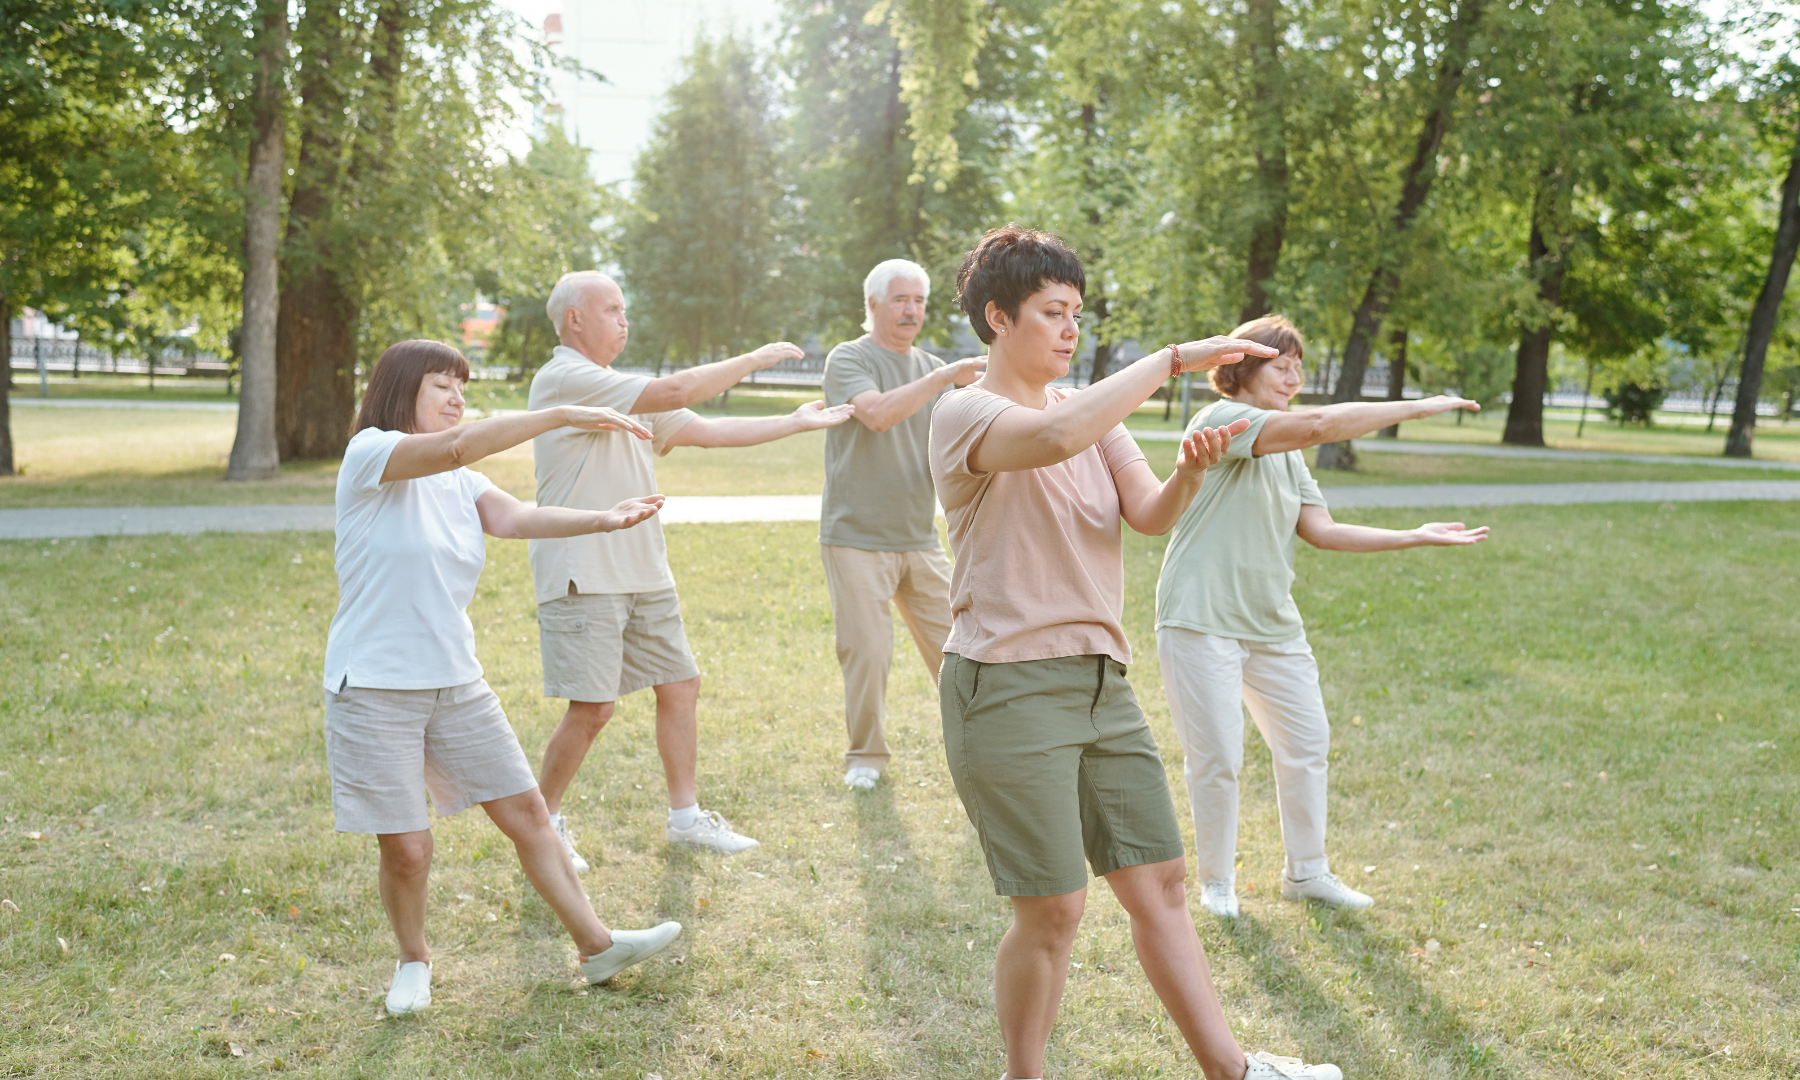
{"x":1227,"y":629}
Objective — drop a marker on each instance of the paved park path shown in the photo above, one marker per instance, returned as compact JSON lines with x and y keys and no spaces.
{"x":1449,"y":449}
{"x":695,"y":509}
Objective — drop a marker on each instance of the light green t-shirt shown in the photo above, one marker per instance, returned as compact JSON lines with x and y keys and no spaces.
{"x":1229,"y":567}
{"x":878,"y":494}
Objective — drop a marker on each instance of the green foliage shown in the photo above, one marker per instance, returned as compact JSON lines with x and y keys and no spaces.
{"x":1631,"y":403}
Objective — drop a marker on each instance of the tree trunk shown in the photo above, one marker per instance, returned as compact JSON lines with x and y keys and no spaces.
{"x":1766,"y":313}
{"x":1396,"y":379}
{"x":1384,"y":281}
{"x":1268,"y":134}
{"x":315,"y":352}
{"x":254,"y":455}
{"x":6,"y":446}
{"x":1103,"y":350}
{"x":1531,"y":371}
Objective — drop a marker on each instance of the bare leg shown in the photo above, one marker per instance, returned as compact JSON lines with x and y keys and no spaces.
{"x":678,"y":738}
{"x":1162,"y":930}
{"x":568,"y":746}
{"x":526,"y":823}
{"x":405,"y":873}
{"x":1029,"y":972}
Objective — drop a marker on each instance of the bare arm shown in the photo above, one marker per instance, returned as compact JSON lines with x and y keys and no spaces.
{"x":713,"y":431}
{"x":879,"y":410}
{"x":509,"y":519}
{"x":1318,"y":529}
{"x":440,"y":451}
{"x":1152,"y":507}
{"x":1346,"y":420}
{"x":1021,"y":439}
{"x":690,"y":386}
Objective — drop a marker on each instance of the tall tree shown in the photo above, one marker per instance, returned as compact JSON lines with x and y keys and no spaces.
{"x":255,"y":454}
{"x":1767,"y":312}
{"x":1266,"y":125}
{"x":1446,"y":76}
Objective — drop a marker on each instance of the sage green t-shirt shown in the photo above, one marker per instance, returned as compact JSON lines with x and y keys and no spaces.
{"x":1229,"y":567}
{"x":878,"y":494}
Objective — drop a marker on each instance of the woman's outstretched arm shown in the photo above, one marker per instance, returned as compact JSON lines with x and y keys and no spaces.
{"x":1153,"y":507}
{"x":1346,"y":420}
{"x":509,"y":519}
{"x":464,"y":444}
{"x":1020,"y":439}
{"x":1318,"y":529}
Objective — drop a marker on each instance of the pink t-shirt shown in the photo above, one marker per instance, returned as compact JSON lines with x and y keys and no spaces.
{"x":1039,"y":568}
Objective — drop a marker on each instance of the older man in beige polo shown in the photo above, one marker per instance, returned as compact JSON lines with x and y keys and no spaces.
{"x":609,"y":620}
{"x":878,"y":533}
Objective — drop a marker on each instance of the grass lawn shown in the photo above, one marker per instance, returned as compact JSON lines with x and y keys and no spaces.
{"x":1565,"y":766}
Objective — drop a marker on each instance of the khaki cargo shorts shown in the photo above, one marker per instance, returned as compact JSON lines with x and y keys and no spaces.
{"x":387,"y":748}
{"x":1054,"y":761}
{"x":601,"y":646}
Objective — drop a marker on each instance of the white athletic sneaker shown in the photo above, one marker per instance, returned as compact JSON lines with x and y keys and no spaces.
{"x":1220,"y":898}
{"x":411,"y":990}
{"x":712,"y":832}
{"x":629,"y":947}
{"x":1263,"y":1065}
{"x":1327,"y":889}
{"x":862,"y":778}
{"x":561,"y":825}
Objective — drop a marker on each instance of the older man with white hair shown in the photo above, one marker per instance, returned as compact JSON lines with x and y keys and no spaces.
{"x":608,"y":617}
{"x":877,"y":533}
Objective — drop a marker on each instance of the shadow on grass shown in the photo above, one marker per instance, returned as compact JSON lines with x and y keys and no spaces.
{"x":1438,"y":1035}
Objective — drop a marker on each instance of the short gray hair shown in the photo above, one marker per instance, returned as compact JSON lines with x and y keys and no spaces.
{"x":876,"y":284}
{"x":568,"y":293}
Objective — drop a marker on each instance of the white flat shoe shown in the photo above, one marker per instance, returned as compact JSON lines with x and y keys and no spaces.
{"x":411,"y":990}
{"x":1263,"y":1065}
{"x":629,"y":947}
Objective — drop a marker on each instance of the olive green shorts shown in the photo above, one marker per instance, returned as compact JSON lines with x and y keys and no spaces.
{"x":1054,"y":761}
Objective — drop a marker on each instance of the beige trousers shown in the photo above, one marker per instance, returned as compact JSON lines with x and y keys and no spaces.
{"x":861,"y":585}
{"x":1210,"y":680}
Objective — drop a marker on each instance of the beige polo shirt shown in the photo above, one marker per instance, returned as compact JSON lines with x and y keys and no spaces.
{"x":597,"y":470}
{"x":1040,"y":569}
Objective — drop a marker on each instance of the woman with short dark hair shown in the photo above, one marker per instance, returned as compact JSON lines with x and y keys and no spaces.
{"x":407,"y":711}
{"x":1049,"y":751}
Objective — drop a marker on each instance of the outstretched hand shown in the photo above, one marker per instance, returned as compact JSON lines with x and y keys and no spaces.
{"x":1449,"y":534}
{"x":630,"y":512}
{"x":814,"y":414}
{"x":775,"y":352}
{"x":1446,"y":402}
{"x":1216,"y":351}
{"x":595,"y":418}
{"x":964,"y":372}
{"x":1207,"y":446}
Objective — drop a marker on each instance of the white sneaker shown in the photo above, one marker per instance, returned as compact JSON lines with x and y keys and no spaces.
{"x":862,"y":778}
{"x":1263,"y":1065}
{"x":629,"y":947}
{"x":411,"y":990}
{"x":1327,"y":889}
{"x":1220,"y":898}
{"x":713,"y":832}
{"x":561,"y":826}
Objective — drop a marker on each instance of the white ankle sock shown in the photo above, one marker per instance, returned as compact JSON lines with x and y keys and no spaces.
{"x":685,"y":817}
{"x":554,"y":818}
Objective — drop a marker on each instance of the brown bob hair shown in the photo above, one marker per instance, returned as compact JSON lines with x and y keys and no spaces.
{"x":391,"y":400}
{"x":1007,"y":266}
{"x":1271,"y":330}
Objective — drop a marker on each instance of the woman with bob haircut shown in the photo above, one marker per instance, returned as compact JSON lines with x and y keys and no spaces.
{"x":1046,"y":743}
{"x":407,"y":711}
{"x":1227,"y":630}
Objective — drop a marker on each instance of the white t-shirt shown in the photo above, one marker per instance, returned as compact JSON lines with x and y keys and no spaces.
{"x":597,"y":470}
{"x":409,"y":554}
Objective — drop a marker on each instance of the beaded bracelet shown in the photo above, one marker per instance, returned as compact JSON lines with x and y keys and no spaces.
{"x":1174,"y":360}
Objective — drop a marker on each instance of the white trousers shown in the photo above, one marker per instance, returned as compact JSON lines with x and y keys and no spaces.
{"x":1209,"y":680}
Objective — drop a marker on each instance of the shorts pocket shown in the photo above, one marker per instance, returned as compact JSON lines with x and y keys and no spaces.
{"x":562,"y":622}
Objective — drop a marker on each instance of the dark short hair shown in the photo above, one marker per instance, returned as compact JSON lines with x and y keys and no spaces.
{"x":392,"y":399}
{"x":1008,"y":266}
{"x":1277,"y":333}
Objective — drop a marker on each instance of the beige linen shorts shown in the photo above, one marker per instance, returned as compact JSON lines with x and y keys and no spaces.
{"x":387,"y":748}
{"x":602,"y":646}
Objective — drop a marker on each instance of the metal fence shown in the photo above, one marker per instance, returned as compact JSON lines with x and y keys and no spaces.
{"x":72,"y":356}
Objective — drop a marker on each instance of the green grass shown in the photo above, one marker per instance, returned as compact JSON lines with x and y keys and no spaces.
{"x":125,"y":388}
{"x":1523,"y":730}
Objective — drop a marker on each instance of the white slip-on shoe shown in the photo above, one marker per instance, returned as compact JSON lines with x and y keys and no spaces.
{"x":861,"y":777}
{"x":629,"y":947}
{"x":411,"y":990}
{"x":561,"y":825}
{"x":1327,"y":889}
{"x":1220,"y":898}
{"x":712,"y":832}
{"x":1263,"y":1065}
